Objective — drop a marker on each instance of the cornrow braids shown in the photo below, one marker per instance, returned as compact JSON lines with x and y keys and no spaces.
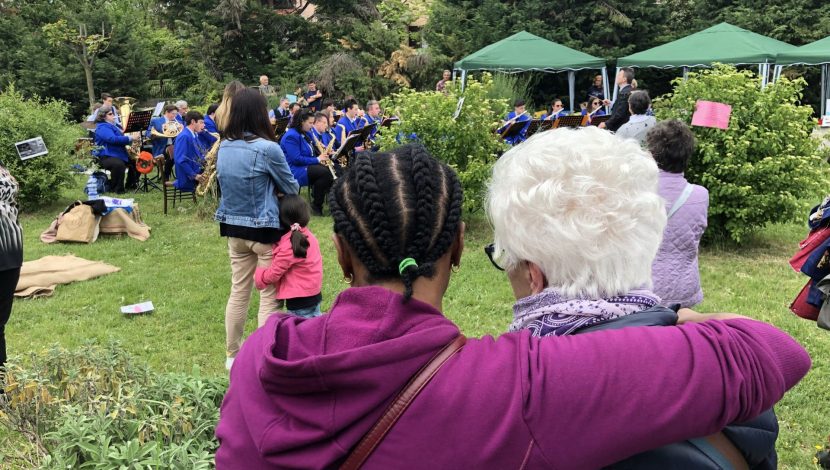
{"x":390,"y":207}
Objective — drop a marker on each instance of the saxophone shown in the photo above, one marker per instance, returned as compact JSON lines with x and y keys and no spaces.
{"x":325,"y":151}
{"x":209,"y":171}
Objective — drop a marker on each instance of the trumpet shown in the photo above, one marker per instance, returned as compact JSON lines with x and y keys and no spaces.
{"x":326,"y":152}
{"x":169,"y":130}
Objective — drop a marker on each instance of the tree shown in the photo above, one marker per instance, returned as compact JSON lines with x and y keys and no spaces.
{"x":84,"y":46}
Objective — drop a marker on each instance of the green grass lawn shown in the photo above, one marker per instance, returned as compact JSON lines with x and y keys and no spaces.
{"x":184,"y":270}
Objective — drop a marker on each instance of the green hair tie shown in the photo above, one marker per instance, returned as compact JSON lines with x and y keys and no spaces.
{"x":405,"y":263}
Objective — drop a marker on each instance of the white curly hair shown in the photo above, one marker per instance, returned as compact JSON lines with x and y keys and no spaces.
{"x":582,"y":204}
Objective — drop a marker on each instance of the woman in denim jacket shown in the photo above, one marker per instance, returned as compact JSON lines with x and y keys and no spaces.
{"x":251,"y":170}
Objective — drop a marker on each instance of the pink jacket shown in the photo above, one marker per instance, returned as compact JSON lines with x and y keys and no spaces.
{"x":294,"y":277}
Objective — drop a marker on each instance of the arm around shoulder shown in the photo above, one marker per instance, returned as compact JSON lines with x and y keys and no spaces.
{"x":618,"y":393}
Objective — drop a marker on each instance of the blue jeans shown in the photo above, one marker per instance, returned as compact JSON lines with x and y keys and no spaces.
{"x":308,"y":312}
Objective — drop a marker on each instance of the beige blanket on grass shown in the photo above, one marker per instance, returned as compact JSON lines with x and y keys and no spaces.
{"x":40,"y":277}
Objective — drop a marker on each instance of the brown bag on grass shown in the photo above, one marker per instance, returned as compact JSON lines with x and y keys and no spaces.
{"x":79,"y":224}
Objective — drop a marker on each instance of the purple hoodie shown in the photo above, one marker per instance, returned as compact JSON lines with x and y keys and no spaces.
{"x":304,"y":392}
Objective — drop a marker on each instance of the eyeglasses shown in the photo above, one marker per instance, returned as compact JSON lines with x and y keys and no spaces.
{"x":110,"y":113}
{"x":595,"y":103}
{"x":557,"y":106}
{"x":490,"y":250}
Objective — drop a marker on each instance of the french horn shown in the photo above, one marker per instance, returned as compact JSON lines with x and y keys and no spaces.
{"x":169,"y":129}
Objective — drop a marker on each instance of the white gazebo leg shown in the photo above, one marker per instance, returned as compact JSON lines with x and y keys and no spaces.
{"x":605,"y":88}
{"x":616,"y":88}
{"x":685,"y":73}
{"x":571,"y":87}
{"x":825,"y":76}
{"x":463,"y":79}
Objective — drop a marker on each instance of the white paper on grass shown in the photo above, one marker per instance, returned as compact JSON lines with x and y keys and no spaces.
{"x":143,"y":307}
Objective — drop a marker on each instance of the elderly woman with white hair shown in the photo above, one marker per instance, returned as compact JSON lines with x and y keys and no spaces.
{"x":577,"y":221}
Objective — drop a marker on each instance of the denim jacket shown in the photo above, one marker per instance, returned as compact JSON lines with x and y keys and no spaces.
{"x":250,"y":174}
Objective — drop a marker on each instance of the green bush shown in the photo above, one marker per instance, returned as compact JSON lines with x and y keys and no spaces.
{"x":468,"y":143}
{"x":96,"y":407}
{"x":40,"y":178}
{"x":756,"y":170}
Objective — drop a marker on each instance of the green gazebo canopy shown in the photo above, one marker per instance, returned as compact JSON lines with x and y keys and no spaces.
{"x":815,"y":53}
{"x":524,"y":51}
{"x":722,"y":43}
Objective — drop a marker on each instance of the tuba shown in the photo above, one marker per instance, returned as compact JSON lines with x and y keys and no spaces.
{"x":125,"y":107}
{"x":209,"y":172}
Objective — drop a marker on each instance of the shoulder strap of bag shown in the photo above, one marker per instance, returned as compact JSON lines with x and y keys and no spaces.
{"x":687,"y":191}
{"x":722,"y":451}
{"x":379,"y":430}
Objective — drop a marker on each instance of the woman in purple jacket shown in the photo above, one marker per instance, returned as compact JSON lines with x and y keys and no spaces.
{"x":675,"y":271}
{"x":303,"y":392}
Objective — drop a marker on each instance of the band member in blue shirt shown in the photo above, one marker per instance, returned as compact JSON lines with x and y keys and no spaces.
{"x":348,"y":123}
{"x":210,"y":124}
{"x":181,"y":105}
{"x":321,"y":132}
{"x":281,"y":111}
{"x":111,"y":150}
{"x":297,"y":145}
{"x":313,"y":97}
{"x":189,"y":153}
{"x":162,"y":146}
{"x":373,"y":117}
{"x":557,"y":110}
{"x":517,"y":115}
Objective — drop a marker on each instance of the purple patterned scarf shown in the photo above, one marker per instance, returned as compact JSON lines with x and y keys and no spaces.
{"x":549,"y":313}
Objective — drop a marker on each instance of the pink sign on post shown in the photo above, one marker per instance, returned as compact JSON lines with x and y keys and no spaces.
{"x":711,"y":114}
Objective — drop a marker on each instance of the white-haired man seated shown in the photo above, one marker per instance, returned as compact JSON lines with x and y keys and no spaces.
{"x":578,"y":221}
{"x":183,"y":108}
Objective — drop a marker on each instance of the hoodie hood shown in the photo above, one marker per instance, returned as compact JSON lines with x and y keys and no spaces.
{"x":312,"y":388}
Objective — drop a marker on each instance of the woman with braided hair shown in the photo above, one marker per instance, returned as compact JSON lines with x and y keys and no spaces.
{"x":304,"y":392}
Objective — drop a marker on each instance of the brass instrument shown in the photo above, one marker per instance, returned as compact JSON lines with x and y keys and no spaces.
{"x":125,"y":107}
{"x":300,"y":98}
{"x":169,"y":130}
{"x":326,"y":152}
{"x":209,"y":172}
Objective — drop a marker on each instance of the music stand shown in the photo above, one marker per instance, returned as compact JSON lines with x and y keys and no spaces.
{"x":570,"y":121}
{"x":280,"y":126}
{"x":597,"y":120}
{"x":138,"y":121}
{"x":348,"y":146}
{"x":363,"y":132}
{"x":513,"y":130}
{"x":387,"y":122}
{"x":533,"y":127}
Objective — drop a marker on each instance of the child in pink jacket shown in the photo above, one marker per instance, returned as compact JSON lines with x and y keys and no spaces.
{"x":297,"y":267}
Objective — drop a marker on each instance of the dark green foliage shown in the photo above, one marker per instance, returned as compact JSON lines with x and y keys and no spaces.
{"x":40,"y":178}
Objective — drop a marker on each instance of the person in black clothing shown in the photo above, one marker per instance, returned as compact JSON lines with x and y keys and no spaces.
{"x":11,"y":255}
{"x":620,"y":112}
{"x":595,"y":90}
